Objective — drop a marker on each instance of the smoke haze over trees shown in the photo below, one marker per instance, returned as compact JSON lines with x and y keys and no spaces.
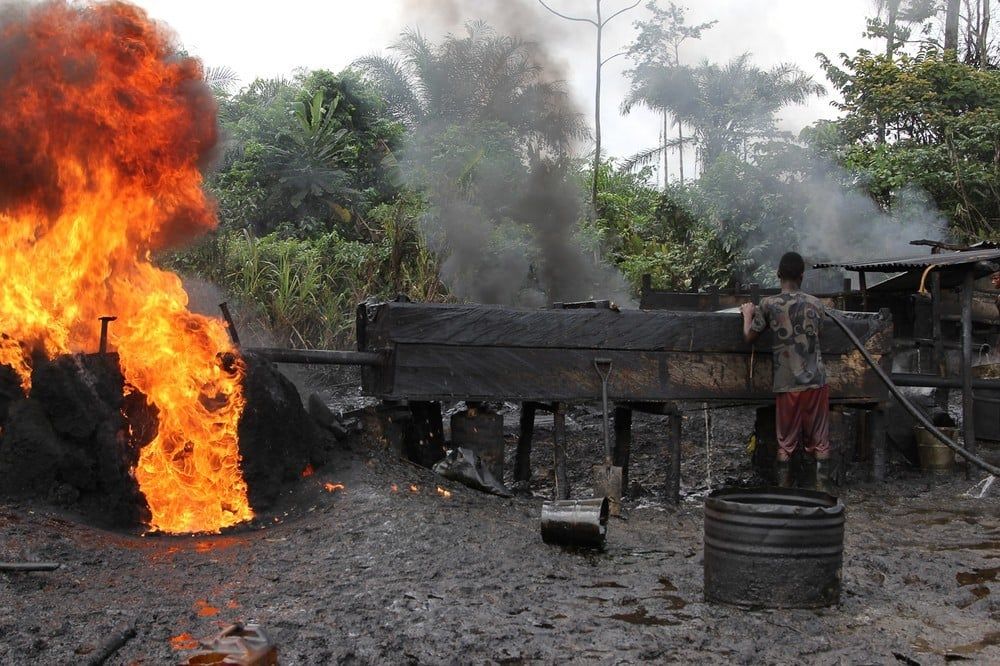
{"x":455,"y":164}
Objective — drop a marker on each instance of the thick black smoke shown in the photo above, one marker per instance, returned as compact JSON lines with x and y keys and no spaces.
{"x":509,"y":228}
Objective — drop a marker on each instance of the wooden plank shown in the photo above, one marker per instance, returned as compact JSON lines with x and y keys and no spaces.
{"x":441,"y":372}
{"x":636,"y":330}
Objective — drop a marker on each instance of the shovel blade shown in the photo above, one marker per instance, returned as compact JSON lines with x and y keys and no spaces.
{"x":608,"y":483}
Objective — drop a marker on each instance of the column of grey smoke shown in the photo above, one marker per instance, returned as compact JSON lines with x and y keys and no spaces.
{"x":549,"y":203}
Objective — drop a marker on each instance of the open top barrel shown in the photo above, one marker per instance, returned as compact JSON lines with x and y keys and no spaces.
{"x":773,"y":547}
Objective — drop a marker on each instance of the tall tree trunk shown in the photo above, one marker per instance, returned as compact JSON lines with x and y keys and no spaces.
{"x":982,"y":38}
{"x":666,"y":153}
{"x":892,"y":9}
{"x":951,"y":26}
{"x":680,"y":147}
{"x":597,"y":109}
{"x":890,"y":25}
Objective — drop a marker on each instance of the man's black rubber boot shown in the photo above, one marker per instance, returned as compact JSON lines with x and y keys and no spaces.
{"x":783,"y":471}
{"x":823,"y":481}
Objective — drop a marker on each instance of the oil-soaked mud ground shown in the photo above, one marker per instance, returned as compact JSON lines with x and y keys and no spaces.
{"x":373,"y":575}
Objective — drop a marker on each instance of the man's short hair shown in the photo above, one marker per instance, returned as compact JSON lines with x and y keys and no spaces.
{"x":791,"y":266}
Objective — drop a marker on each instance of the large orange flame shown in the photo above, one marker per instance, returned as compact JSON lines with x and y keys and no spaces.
{"x":103,"y":130}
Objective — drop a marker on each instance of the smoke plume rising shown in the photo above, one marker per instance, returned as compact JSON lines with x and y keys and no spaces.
{"x":504,"y":214}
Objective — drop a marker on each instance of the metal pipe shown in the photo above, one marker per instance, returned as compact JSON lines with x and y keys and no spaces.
{"x":912,"y":379}
{"x":317,"y":356}
{"x":231,"y":326}
{"x":103,"y":348}
{"x":916,"y":413}
{"x":580,"y":523}
{"x":29,"y":566}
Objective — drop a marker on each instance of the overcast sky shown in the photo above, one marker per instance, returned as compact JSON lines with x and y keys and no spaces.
{"x":273,"y":38}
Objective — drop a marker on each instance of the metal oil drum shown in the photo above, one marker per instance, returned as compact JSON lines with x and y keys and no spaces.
{"x":480,"y":430}
{"x":577,"y":523}
{"x":773,"y":547}
{"x":935,"y":457}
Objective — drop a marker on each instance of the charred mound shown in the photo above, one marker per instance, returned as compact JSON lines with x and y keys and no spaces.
{"x":73,"y":441}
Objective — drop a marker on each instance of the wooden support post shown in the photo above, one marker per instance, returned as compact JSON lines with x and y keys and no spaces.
{"x":623,"y":443}
{"x":426,"y":433}
{"x":879,"y":443}
{"x":863,"y":284}
{"x":968,"y":421}
{"x":673,"y":491}
{"x":522,"y":460}
{"x":561,"y":478}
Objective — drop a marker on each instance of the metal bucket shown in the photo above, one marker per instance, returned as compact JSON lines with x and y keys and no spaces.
{"x":773,"y":547}
{"x":480,"y":430}
{"x":580,"y":523}
{"x":935,"y":457}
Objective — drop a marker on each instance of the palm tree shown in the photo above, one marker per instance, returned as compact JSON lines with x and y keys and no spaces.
{"x":670,"y":90}
{"x":729,"y":107}
{"x":480,"y":77}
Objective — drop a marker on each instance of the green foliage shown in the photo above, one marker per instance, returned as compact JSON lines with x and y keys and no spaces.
{"x":940,"y":120}
{"x":668,"y":235}
{"x":308,"y":288}
{"x":304,"y":156}
{"x":479,"y":77}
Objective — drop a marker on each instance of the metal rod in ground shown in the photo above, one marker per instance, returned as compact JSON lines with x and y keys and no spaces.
{"x":105,"y":321}
{"x":234,"y":336}
{"x":112,"y":645}
{"x":29,"y":566}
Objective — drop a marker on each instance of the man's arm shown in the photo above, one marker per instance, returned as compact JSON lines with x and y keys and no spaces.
{"x":748,"y":310}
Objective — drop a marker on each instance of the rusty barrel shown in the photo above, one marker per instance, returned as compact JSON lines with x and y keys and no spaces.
{"x":773,"y":547}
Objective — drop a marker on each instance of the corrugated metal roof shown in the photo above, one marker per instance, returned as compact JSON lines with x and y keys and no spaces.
{"x":943,"y":259}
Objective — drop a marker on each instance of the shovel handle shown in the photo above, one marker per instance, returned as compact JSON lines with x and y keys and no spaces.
{"x":603,"y":367}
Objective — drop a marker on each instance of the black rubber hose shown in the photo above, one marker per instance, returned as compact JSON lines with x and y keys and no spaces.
{"x":917,"y":414}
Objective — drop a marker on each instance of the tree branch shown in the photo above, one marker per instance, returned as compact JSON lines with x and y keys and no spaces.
{"x":617,"y":13}
{"x":610,"y":58}
{"x":571,"y":18}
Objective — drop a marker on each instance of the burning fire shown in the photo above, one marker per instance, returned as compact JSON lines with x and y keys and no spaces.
{"x":308,"y":471}
{"x":443,"y":492}
{"x":102,"y":136}
{"x":333,"y":487}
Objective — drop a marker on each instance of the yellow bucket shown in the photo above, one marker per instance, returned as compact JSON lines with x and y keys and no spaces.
{"x":935,"y":457}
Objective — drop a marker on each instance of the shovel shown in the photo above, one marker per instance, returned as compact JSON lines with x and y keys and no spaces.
{"x":607,"y":477}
